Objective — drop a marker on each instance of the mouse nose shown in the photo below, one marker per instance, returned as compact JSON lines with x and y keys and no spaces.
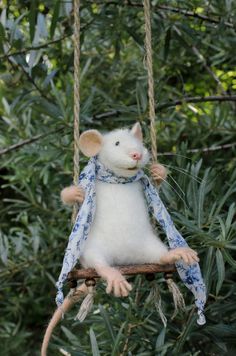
{"x":136,"y":156}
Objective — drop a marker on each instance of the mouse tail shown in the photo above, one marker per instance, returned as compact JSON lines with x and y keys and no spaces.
{"x":69,"y":301}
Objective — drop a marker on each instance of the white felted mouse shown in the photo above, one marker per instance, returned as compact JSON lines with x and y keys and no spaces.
{"x":121,"y":232}
{"x":113,"y":224}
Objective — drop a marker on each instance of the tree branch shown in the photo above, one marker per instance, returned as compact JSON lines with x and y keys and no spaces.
{"x":43,"y":45}
{"x":33,"y":139}
{"x":33,"y":48}
{"x":41,"y":136}
{"x":168,"y":104}
{"x":196,"y":99}
{"x":14,"y":64}
{"x":201,"y":17}
{"x":213,"y":18}
{"x":204,"y":149}
{"x":202,"y":60}
{"x":117,"y":113}
{"x":105,"y":115}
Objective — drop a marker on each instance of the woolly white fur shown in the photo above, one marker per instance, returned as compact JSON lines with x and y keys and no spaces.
{"x":121,"y":232}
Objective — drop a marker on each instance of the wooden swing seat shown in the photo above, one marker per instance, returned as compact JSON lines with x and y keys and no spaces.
{"x":148,"y":268}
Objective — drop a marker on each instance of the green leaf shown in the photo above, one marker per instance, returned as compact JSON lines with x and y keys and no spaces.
{"x":222,"y":236}
{"x":208,"y":266}
{"x":94,"y":344}
{"x":2,"y":37}
{"x":221,"y":329}
{"x":55,"y":17}
{"x":107,"y":322}
{"x":118,"y":339}
{"x":185,"y":333}
{"x":57,"y":95}
{"x":70,"y":336}
{"x":15,"y":26}
{"x":32,"y":18}
{"x":201,"y":198}
{"x":221,"y":270}
{"x":229,"y":258}
{"x":141,"y":96}
{"x":167,"y":44}
{"x":4,"y":247}
{"x":230,"y":216}
{"x":161,"y":339}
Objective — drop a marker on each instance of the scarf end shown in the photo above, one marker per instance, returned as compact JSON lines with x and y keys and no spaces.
{"x":59,"y":298}
{"x":201,"y":320}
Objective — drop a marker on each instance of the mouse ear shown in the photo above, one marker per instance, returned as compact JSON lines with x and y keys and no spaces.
{"x":90,"y":142}
{"x":137,"y":131}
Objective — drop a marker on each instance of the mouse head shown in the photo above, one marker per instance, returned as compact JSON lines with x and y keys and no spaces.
{"x":121,"y":151}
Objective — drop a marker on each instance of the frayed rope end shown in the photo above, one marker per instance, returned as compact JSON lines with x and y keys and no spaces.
{"x":86,"y":305}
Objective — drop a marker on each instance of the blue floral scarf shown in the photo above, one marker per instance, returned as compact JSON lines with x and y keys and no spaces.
{"x":190,"y":274}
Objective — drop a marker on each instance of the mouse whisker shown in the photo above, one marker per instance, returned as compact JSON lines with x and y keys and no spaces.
{"x":175,"y":154}
{"x":186,"y":172}
{"x":176,"y":192}
{"x":170,"y":175}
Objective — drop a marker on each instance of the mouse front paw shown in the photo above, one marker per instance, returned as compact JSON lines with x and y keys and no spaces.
{"x":188,"y":255}
{"x":72,"y":195}
{"x":158,"y":172}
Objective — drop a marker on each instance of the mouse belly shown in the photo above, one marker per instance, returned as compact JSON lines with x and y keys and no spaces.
{"x":121,"y":232}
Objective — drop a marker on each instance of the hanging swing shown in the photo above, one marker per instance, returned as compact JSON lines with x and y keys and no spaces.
{"x":90,"y":276}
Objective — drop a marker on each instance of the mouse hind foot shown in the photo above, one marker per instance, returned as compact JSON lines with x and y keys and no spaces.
{"x":116,"y":282}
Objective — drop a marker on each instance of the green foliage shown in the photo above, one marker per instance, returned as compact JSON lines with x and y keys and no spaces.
{"x":194,"y":56}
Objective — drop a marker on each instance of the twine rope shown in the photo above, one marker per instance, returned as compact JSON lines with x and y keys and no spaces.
{"x":149,"y":64}
{"x":177,"y":296}
{"x":76,"y":95}
{"x":151,"y":99}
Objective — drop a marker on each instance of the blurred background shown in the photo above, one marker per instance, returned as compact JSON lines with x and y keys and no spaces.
{"x":194,"y":54}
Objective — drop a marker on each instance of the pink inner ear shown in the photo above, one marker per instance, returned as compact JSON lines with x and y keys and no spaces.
{"x":137,"y":131}
{"x":90,"y":143}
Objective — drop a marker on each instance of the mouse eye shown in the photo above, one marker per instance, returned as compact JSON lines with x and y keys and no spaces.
{"x":117,"y":143}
